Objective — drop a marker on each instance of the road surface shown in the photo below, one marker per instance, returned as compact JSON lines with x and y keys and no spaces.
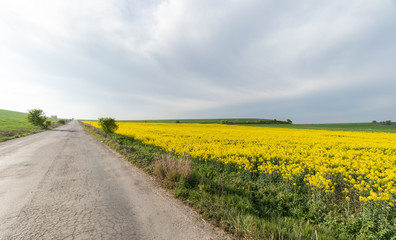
{"x":64,"y":184}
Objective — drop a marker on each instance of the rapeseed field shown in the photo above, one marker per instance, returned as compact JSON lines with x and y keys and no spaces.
{"x":359,"y":166}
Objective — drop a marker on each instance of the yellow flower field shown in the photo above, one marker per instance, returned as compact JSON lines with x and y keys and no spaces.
{"x":361,"y":164}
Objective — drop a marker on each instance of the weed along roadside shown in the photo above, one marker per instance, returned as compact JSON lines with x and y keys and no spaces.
{"x":250,"y":205}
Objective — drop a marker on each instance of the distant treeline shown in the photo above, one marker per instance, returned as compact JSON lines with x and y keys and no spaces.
{"x":288,"y":121}
{"x":240,"y":121}
{"x":387,"y":122}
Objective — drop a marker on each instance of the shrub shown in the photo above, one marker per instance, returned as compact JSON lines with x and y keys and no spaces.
{"x":108,"y":125}
{"x":173,"y":169}
{"x":36,"y":117}
{"x":47,"y":123}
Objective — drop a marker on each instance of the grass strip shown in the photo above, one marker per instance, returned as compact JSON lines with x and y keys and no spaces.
{"x":12,"y":136}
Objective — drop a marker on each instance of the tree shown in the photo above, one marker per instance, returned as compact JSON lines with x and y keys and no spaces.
{"x":108,"y":125}
{"x":288,"y":121}
{"x":37,"y":118}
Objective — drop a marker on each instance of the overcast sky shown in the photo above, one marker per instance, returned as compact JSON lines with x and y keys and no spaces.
{"x":310,"y":61}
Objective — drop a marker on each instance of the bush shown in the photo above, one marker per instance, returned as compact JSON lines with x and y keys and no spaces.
{"x":173,"y":169}
{"x":36,"y":117}
{"x":108,"y":125}
{"x":47,"y":123}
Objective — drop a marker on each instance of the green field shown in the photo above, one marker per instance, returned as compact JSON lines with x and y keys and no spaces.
{"x":356,"y":127}
{"x":13,"y":121}
{"x":214,"y":120}
{"x":13,"y":124}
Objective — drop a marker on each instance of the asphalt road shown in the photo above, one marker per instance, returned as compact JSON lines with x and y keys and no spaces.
{"x":64,"y":184}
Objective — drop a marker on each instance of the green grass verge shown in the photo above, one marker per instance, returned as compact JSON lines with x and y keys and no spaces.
{"x":3,"y":139}
{"x":252,"y":206}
